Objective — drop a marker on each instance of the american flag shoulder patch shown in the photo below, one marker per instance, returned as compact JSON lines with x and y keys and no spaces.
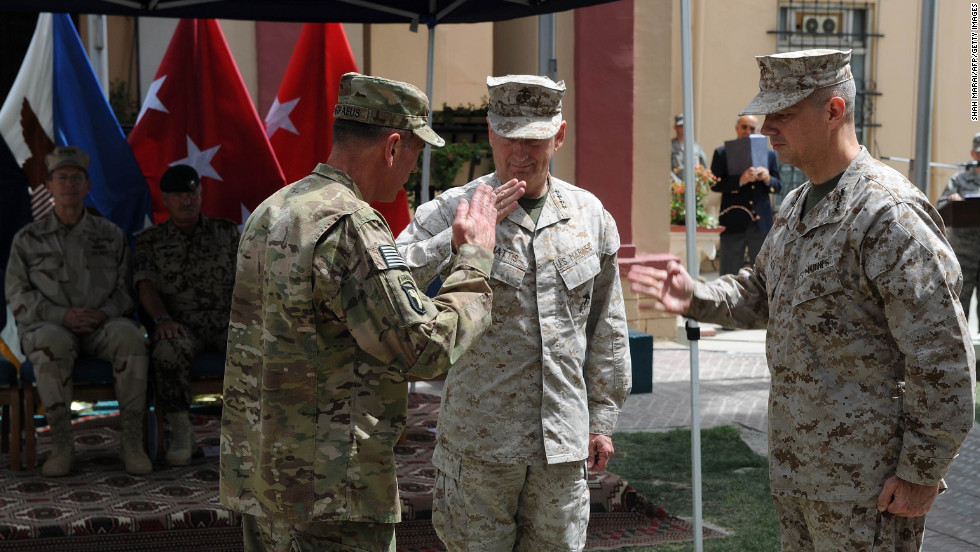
{"x":391,"y":257}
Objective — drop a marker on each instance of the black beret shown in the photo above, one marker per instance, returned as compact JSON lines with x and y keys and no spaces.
{"x":180,"y":178}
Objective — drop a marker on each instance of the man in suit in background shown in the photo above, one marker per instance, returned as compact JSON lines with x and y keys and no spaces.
{"x":746,"y":211}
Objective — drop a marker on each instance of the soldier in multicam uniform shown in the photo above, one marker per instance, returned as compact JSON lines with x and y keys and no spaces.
{"x":533,"y":404}
{"x":184,"y":270}
{"x":326,"y":324}
{"x":68,"y":286}
{"x":966,"y":240}
{"x":871,"y":360}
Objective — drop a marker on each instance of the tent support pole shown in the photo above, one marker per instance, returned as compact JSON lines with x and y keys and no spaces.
{"x":693,"y":262}
{"x":427,"y":153}
{"x":923,"y":114}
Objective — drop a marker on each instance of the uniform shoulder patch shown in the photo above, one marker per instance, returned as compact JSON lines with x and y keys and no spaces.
{"x":391,"y":257}
{"x":414,"y":297}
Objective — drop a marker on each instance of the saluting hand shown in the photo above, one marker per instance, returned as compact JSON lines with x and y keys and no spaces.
{"x":476,"y":219}
{"x":507,"y":196}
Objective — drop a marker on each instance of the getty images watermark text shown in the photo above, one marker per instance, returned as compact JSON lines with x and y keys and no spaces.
{"x":974,"y":50}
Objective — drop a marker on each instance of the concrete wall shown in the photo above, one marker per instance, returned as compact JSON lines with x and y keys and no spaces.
{"x":652,"y":106}
{"x":463,"y":59}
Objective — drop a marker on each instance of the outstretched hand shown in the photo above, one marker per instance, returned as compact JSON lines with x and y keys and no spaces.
{"x":476,"y":219}
{"x":906,"y":499}
{"x":671,"y":289}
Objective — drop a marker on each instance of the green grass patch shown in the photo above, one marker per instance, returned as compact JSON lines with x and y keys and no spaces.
{"x":735,"y":485}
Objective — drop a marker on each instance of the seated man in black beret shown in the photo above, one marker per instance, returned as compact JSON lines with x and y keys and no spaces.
{"x":184,"y":271}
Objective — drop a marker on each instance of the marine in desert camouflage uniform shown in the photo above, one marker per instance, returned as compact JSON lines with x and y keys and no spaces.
{"x":184,"y":270}
{"x":965,"y":240}
{"x":871,"y":361}
{"x":327,"y":323}
{"x":531,"y":406}
{"x":68,"y":286}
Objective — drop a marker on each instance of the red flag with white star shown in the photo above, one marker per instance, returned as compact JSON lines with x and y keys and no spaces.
{"x":300,"y":121}
{"x":198,"y":112}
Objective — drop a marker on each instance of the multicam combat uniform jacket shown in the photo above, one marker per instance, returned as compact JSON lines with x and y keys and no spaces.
{"x":871,"y":362}
{"x":555,"y":364}
{"x":193,"y":273}
{"x":54,"y":268}
{"x":325,"y":323}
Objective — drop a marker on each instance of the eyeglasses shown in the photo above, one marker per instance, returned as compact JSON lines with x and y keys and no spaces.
{"x":76,"y":178}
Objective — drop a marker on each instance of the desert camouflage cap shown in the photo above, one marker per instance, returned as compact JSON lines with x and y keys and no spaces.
{"x":384,"y":102}
{"x":787,"y":78}
{"x":525,"y":106}
{"x":976,"y":142}
{"x":66,"y":156}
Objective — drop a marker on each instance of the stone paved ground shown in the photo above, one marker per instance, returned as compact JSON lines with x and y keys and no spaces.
{"x":734,"y":385}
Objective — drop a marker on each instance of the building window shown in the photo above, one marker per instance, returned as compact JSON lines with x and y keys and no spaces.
{"x":806,"y":25}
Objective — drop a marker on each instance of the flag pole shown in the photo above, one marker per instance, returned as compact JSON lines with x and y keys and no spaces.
{"x":693,"y":260}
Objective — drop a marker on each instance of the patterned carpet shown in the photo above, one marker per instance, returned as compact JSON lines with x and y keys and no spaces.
{"x":100,"y":508}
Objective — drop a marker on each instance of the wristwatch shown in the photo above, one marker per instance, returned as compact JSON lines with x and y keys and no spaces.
{"x":161,"y":319}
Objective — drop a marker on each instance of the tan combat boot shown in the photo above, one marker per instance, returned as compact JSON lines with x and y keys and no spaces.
{"x":181,"y":439}
{"x":133,"y":453}
{"x":59,"y":462}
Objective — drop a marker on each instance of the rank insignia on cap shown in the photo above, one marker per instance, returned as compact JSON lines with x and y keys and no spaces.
{"x":390,"y":254}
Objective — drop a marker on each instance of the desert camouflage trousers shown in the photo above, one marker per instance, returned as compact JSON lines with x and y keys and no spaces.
{"x":488,"y":507}
{"x":171,"y":360}
{"x":265,"y":535}
{"x":52,"y":349}
{"x":814,"y":526}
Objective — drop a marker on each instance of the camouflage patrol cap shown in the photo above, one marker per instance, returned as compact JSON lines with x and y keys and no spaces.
{"x":679,"y":119}
{"x":787,"y":78}
{"x":383,"y":102}
{"x":525,"y":106}
{"x":180,"y":178}
{"x":976,"y":142}
{"x":66,"y":156}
